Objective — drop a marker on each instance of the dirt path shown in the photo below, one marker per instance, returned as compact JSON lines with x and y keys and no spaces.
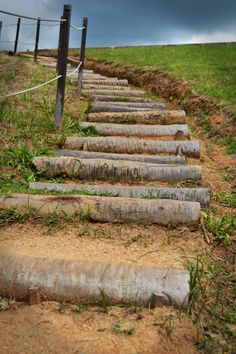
{"x":59,"y":327}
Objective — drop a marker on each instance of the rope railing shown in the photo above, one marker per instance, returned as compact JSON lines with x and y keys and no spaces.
{"x":30,"y":89}
{"x":39,"y":86}
{"x":77,"y":28}
{"x":32,"y":18}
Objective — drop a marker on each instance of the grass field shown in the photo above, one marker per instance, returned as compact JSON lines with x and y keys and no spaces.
{"x":210,"y":69}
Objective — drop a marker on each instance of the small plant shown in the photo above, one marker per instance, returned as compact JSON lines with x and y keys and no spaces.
{"x":10,"y":75}
{"x":221,"y":227}
{"x":103,"y":302}
{"x":118,"y":329}
{"x":196,"y":273}
{"x":62,"y":307}
{"x":168,"y":326}
{"x":13,"y":215}
{"x":80,"y":308}
{"x":4,"y":304}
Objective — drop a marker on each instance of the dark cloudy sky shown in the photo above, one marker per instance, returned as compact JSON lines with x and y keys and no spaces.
{"x":126,"y":22}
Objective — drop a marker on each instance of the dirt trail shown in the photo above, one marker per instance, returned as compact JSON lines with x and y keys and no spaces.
{"x":54,"y":327}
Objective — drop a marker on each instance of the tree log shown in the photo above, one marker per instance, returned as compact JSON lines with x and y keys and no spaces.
{"x":107,"y":209}
{"x":120,"y":99}
{"x":135,"y":104}
{"x":149,"y":117}
{"x":124,"y":157}
{"x":199,"y":195}
{"x":129,"y":93}
{"x":81,"y":281}
{"x":109,"y":129}
{"x":105,"y":87}
{"x":133,"y":146}
{"x":106,"y":82}
{"x":99,"y":169}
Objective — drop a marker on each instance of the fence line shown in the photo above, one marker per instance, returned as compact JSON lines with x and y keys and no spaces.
{"x":32,"y":18}
{"x":77,"y":28}
{"x":30,"y":89}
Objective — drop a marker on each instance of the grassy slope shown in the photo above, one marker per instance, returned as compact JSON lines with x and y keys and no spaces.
{"x":211,"y":69}
{"x":27,"y":121}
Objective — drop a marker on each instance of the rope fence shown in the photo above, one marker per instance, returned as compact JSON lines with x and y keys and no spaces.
{"x":62,"y":55}
{"x":32,"y":18}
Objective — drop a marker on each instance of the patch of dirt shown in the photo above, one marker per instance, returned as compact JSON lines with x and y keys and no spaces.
{"x":139,"y":245}
{"x":42,"y":329}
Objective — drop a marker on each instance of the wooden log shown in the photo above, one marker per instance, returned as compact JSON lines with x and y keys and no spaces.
{"x":133,"y":146}
{"x":99,"y":169}
{"x":124,"y":157}
{"x":107,"y":209}
{"x":113,"y":108}
{"x":106,"y":82}
{"x":82,"y":281}
{"x":148,"y":117}
{"x":135,"y":104}
{"x":199,"y":195}
{"x":109,"y":129}
{"x":129,"y":93}
{"x":105,"y":87}
{"x":120,"y":99}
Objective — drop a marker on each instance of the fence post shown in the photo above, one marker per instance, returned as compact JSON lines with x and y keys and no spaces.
{"x":62,"y":64}
{"x":82,"y":54}
{"x":37,"y":40}
{"x":0,"y":29}
{"x":17,"y":35}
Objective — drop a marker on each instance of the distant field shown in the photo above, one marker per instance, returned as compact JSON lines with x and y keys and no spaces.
{"x":210,"y":69}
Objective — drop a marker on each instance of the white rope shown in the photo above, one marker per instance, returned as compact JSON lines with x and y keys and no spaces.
{"x":30,"y":89}
{"x":77,"y":28}
{"x":73,"y":72}
{"x":32,"y":18}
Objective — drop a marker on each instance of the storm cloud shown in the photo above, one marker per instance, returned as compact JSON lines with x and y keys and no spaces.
{"x":123,"y":22}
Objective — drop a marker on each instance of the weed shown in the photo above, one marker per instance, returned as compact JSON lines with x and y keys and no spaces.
{"x":4,"y":304}
{"x":103,"y":301}
{"x":83,"y":214}
{"x":221,"y":227}
{"x":168,"y":325}
{"x":10,"y":75}
{"x":228,"y":199}
{"x":61,"y":308}
{"x":196,"y":273}
{"x":80,"y":308}
{"x":118,"y":329}
{"x":13,"y":215}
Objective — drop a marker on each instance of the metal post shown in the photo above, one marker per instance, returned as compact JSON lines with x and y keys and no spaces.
{"x":17,"y":36}
{"x":37,"y":40}
{"x":62,"y":64}
{"x":0,"y":29}
{"x":82,"y":54}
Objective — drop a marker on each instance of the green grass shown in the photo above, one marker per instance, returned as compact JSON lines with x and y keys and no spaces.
{"x":210,"y":69}
{"x":27,"y":122}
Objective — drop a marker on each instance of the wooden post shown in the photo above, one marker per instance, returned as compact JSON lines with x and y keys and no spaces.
{"x":82,"y":54}
{"x":17,"y":35}
{"x":0,"y":29}
{"x":37,"y":40}
{"x":62,"y":64}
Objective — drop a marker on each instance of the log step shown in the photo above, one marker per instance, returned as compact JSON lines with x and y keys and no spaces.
{"x":105,"y":87}
{"x":109,"y":129}
{"x":149,"y":117}
{"x":129,"y":93}
{"x":133,"y":146}
{"x":121,"y":99}
{"x":200,"y":195}
{"x":67,"y":280}
{"x":108,"y":209}
{"x":100,"y":169}
{"x":106,"y":82}
{"x":135,"y":104}
{"x":124,"y":157}
{"x":108,"y":107}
